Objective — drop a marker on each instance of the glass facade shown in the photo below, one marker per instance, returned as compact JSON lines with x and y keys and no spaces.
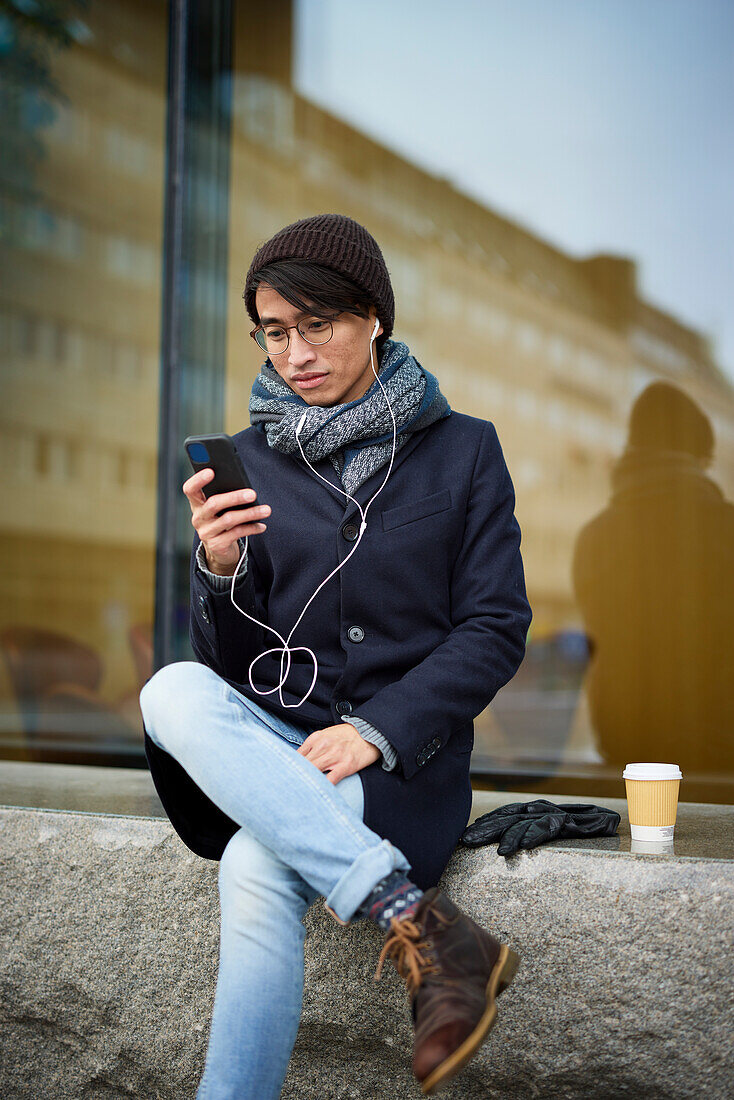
{"x":82,"y":109}
{"x":161,"y":147}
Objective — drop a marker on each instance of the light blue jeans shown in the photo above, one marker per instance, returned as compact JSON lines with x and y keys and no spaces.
{"x":300,"y":836}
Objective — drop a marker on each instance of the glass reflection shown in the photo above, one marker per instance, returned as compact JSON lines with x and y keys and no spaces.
{"x":82,"y":110}
{"x":615,"y":416}
{"x":623,"y":661}
{"x":653,"y":578}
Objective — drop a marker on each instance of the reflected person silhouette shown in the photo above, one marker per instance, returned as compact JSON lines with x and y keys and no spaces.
{"x":653,"y":578}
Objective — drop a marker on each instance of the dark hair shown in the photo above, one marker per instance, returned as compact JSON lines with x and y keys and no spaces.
{"x":310,"y":285}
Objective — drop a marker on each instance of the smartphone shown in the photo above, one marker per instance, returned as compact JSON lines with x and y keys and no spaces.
{"x":218,"y":452}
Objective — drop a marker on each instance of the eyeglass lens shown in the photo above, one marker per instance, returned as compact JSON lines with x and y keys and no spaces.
{"x":275,"y":339}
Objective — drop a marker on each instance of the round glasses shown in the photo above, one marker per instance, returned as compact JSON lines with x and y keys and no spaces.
{"x":275,"y":338}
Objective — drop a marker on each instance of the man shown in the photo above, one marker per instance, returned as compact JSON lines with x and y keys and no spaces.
{"x":414,"y":638}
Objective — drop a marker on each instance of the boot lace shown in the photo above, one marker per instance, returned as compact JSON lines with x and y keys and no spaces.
{"x":409,"y":953}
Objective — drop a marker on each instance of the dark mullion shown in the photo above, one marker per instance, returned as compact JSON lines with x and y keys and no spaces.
{"x":169,"y":415}
{"x":193,"y":344}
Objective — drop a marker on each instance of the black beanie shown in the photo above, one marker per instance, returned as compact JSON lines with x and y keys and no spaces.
{"x":338,"y":242}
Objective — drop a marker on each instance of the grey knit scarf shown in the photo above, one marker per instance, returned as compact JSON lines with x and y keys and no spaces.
{"x":356,"y":437}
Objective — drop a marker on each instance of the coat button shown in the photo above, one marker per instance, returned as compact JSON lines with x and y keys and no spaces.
{"x":355,"y":634}
{"x":420,"y":759}
{"x":350,"y":531}
{"x":344,"y":707}
{"x":437,"y":742}
{"x":204,"y":614}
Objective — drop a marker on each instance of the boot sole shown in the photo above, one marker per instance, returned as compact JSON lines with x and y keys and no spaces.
{"x":504,"y":971}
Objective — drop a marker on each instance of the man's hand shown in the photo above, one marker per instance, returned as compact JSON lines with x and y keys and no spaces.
{"x":339,"y":751}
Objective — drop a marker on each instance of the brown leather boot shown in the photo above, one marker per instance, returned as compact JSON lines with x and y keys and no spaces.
{"x":453,"y":970}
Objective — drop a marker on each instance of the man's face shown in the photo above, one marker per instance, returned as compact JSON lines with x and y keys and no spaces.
{"x":344,"y":360}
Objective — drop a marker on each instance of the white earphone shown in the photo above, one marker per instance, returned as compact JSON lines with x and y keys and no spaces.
{"x":285,"y":650}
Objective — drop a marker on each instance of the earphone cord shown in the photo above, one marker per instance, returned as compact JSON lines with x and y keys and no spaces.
{"x":285,"y":649}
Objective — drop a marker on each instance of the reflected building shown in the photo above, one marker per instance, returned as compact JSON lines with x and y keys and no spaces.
{"x":80,"y":253}
{"x":553,"y":349}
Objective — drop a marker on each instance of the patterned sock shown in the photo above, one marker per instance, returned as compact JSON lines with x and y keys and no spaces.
{"x":393,"y":896}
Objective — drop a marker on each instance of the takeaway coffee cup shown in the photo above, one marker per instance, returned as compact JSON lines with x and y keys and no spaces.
{"x":652,"y":800}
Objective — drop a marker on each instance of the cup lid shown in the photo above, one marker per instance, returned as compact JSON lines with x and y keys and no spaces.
{"x":652,"y":771}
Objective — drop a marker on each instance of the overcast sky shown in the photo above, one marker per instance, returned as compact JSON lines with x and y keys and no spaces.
{"x":599,"y":125}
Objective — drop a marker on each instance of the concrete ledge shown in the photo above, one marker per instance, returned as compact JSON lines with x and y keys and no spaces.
{"x":110,"y":927}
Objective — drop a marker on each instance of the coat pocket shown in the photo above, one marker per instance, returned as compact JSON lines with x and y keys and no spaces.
{"x":417,"y":509}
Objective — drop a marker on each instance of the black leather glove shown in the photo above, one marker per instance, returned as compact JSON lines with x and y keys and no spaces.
{"x":528,"y":824}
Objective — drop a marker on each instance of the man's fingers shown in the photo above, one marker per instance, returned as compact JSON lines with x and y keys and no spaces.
{"x":323,"y":759}
{"x":307,"y":747}
{"x":327,"y":751}
{"x":194,"y":486}
{"x":314,"y":751}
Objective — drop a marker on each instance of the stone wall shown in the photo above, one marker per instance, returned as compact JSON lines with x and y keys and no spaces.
{"x":110,"y":945}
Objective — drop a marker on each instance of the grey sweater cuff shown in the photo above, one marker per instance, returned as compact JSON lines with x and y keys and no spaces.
{"x":221,"y":584}
{"x":369,"y":733}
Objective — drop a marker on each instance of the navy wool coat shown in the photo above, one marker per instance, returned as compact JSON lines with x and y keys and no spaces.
{"x":415,"y":634}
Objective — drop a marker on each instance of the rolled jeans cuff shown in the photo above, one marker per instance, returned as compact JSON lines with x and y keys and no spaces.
{"x":361,"y":878}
